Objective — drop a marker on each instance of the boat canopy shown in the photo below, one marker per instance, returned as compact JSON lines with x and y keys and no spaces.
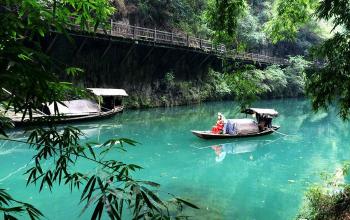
{"x":261,"y":111}
{"x":108,"y":92}
{"x":76,"y":107}
{"x":241,"y":126}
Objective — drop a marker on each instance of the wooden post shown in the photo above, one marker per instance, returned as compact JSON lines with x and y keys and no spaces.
{"x":133,"y":32}
{"x":146,"y":57}
{"x":205,"y":59}
{"x":200,"y":43}
{"x":107,"y":48}
{"x":51,"y":44}
{"x":188,"y":42}
{"x":128,"y":53}
{"x":172,"y":37}
{"x":111,"y":27}
{"x":155,"y":34}
{"x":81,"y":47}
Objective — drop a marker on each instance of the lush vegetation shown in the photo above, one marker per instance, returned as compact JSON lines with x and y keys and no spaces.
{"x":243,"y":85}
{"x":243,"y":25}
{"x":262,"y":26}
{"x":326,"y":85}
{"x":329,"y":200}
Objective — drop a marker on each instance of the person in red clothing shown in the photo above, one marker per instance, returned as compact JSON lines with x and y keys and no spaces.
{"x":218,"y":127}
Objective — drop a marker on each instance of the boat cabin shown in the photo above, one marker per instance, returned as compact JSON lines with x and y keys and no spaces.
{"x":263,"y":116}
{"x":109,"y":98}
{"x":109,"y":103}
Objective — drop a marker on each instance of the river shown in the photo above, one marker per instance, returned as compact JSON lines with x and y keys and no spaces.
{"x":250,"y":178}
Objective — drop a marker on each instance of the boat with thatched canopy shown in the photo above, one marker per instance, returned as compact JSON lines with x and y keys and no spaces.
{"x":109,"y":104}
{"x":237,"y":128}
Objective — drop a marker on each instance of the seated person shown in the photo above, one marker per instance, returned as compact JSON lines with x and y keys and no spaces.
{"x":262,"y":124}
{"x":219,"y":126}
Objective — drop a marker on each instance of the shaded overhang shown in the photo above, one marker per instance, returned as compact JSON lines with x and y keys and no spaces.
{"x":108,"y":92}
{"x":261,"y":111}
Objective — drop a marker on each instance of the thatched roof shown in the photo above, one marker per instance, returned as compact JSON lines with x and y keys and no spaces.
{"x":261,"y":111}
{"x":108,"y":92}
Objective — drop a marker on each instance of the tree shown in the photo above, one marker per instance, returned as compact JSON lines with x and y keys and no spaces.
{"x":288,"y":17}
{"x":223,"y":16}
{"x":329,"y":83}
{"x":28,"y":78}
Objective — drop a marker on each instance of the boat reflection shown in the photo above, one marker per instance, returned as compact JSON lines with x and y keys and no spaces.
{"x":96,"y":131}
{"x":221,"y":150}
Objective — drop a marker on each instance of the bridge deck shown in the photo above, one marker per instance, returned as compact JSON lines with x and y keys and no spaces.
{"x":183,"y":40}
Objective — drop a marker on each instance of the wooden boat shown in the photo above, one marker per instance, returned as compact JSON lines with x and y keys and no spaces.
{"x":262,"y":126}
{"x":210,"y":135}
{"x":76,"y":110}
{"x":46,"y":119}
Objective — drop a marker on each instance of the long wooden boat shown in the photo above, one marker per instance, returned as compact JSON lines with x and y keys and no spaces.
{"x":74,"y":110}
{"x":46,"y":119}
{"x":210,"y":135}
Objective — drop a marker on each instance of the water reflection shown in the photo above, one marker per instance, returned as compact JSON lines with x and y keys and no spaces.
{"x":222,"y":150}
{"x":96,"y":131}
{"x":242,"y":146}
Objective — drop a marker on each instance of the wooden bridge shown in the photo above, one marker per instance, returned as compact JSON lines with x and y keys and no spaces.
{"x":184,"y":41}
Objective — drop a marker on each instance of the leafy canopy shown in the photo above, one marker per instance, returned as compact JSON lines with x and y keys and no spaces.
{"x":288,"y":16}
{"x":223,"y":16}
{"x":327,"y":84}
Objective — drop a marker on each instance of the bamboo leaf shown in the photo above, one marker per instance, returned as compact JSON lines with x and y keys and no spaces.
{"x":187,"y":203}
{"x":90,"y":182}
{"x":153,"y":196}
{"x":98,"y":210}
{"x":148,"y":202}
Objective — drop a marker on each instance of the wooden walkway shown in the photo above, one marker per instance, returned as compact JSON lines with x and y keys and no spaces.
{"x":183,"y":40}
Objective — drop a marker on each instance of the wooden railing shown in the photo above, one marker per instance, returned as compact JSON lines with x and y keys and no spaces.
{"x":184,"y":40}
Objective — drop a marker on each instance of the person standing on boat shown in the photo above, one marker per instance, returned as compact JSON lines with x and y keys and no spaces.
{"x":219,"y":126}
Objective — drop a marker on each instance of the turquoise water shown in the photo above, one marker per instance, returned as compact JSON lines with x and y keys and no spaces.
{"x":253,"y":178}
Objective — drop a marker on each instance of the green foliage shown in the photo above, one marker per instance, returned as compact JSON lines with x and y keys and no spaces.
{"x":169,"y":80}
{"x":329,"y":84}
{"x":288,"y":17}
{"x":296,"y":76}
{"x":219,"y":84}
{"x":250,"y":84}
{"x":244,"y":86}
{"x":325,"y":206}
{"x":326,"y":84}
{"x":183,"y":14}
{"x":12,"y":207}
{"x":249,"y":32}
{"x":275,"y":79}
{"x":328,"y":201}
{"x":223,"y":16}
{"x":337,"y":11}
{"x":25,"y":25}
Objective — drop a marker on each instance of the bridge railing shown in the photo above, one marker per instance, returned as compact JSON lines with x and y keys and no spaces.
{"x":179,"y":39}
